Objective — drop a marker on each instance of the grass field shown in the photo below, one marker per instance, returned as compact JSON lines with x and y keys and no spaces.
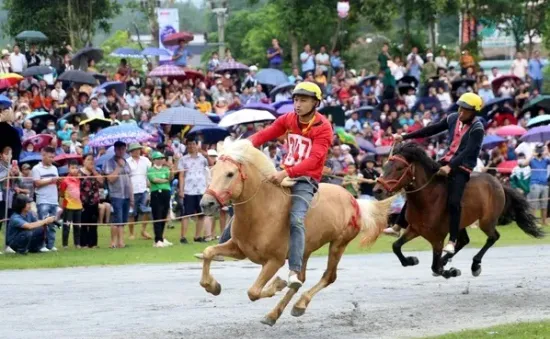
{"x":530,"y":330}
{"x":141,"y":251}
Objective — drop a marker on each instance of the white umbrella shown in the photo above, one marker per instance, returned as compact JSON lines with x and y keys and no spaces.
{"x":245,"y":116}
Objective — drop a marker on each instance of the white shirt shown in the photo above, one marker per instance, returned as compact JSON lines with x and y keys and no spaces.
{"x":410,"y":100}
{"x":94,"y":113}
{"x":444,"y":99}
{"x":138,"y":174}
{"x":441,"y":61}
{"x":519,"y":68}
{"x":493,"y":77}
{"x":18,"y":62}
{"x":59,"y":95}
{"x":321,"y":58}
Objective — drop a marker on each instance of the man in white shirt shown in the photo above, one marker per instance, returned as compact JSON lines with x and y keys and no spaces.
{"x":519,"y":66}
{"x":93,"y":111}
{"x":138,"y":176}
{"x":322,"y":59}
{"x":18,"y":60}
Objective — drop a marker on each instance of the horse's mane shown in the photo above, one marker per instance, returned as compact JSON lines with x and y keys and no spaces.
{"x":413,"y":152}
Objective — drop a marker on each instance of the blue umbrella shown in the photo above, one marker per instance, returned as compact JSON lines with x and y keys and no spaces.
{"x":539,"y":121}
{"x":99,"y":162}
{"x":281,"y":88}
{"x":211,"y":134}
{"x":127,"y":133}
{"x":492,"y":141}
{"x":63,"y":170}
{"x":32,"y":159}
{"x":271,"y":77}
{"x":181,"y":116}
{"x":4,"y":100}
{"x":119,"y":87}
{"x":278,"y":104}
{"x":285,"y":109}
{"x":365,"y":145}
{"x":261,"y":106}
{"x":153,"y":51}
{"x":126,"y":52}
{"x":213,"y":117}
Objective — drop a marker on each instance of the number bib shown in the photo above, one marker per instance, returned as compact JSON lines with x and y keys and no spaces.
{"x":299,"y":148}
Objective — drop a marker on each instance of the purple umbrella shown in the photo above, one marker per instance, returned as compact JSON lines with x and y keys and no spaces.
{"x":492,"y":141}
{"x":231,"y":66}
{"x":383,"y":150}
{"x":537,"y":134}
{"x":261,"y":106}
{"x":285,"y":109}
{"x":126,"y":133}
{"x":365,"y":145}
{"x":278,"y":104}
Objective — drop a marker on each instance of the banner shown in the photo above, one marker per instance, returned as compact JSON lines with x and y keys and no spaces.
{"x":169,"y":23}
{"x":469,"y":29}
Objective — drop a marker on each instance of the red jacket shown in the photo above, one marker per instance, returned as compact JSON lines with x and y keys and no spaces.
{"x":307,"y":148}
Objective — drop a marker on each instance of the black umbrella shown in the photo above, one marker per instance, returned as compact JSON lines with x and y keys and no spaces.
{"x":80,"y":59}
{"x":101,"y":77}
{"x":10,"y":138}
{"x":73,"y":118}
{"x":457,"y":83}
{"x":404,"y":88}
{"x":335,"y":114}
{"x":370,"y":78}
{"x":79,"y":77}
{"x":408,"y":79}
{"x":37,"y":70}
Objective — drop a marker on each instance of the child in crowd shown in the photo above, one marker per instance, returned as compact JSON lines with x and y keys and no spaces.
{"x":351,"y":181}
{"x":203,"y":105}
{"x":72,"y":205}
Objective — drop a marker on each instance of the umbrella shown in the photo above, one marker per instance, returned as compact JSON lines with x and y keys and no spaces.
{"x":153,"y":51}
{"x":511,"y":130}
{"x":10,"y":137}
{"x":210,"y":134}
{"x":540,"y":120}
{"x":127,"y":52}
{"x":63,"y":171}
{"x":99,"y":162}
{"x":167,"y":71}
{"x":98,"y":76}
{"x":119,"y":87}
{"x":181,"y":116}
{"x":498,"y":102}
{"x":213,"y":117}
{"x":262,"y":106}
{"x":5,"y":101}
{"x":334,"y":114}
{"x":42,"y":117}
{"x":409,"y":80}
{"x":175,"y":38}
{"x":506,"y":167}
{"x":370,"y":78}
{"x":537,"y":103}
{"x":96,"y":123}
{"x":404,"y":88}
{"x":9,"y":80}
{"x":64,"y":159}
{"x":537,"y":134}
{"x":79,"y":77}
{"x":271,"y":77}
{"x":278,"y":104}
{"x":497,"y":83}
{"x":32,"y":160}
{"x":492,"y":141}
{"x":245,"y":116}
{"x":37,"y":70}
{"x":80,"y":59}
{"x":362,"y":112}
{"x":344,"y":136}
{"x":281,"y":88}
{"x":73,"y":118}
{"x":30,"y":36}
{"x":231,"y":66}
{"x":501,"y":118}
{"x":285,"y":109}
{"x":383,"y":150}
{"x":428,"y":102}
{"x":39,"y":141}
{"x":365,"y":145}
{"x":193,"y":74}
{"x":128,"y":133}
{"x":457,"y":83}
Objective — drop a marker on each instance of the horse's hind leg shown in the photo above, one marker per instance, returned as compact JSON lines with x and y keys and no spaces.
{"x":228,"y":249}
{"x":407,"y":236}
{"x":336,"y":250}
{"x":492,"y":237}
{"x":462,"y":241}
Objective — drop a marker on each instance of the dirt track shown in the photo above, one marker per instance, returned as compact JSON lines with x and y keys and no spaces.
{"x":374,"y":297}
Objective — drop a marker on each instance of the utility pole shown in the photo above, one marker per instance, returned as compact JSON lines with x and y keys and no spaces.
{"x":219,"y":7}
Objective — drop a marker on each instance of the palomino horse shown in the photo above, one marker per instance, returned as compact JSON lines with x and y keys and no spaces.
{"x":260,"y":229}
{"x":485,"y":199}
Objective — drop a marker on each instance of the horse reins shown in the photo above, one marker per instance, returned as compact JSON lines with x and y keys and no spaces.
{"x":387,"y":184}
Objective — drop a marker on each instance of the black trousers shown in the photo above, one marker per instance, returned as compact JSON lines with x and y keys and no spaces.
{"x":456,"y":183}
{"x":88,"y":234}
{"x":73,"y":216}
{"x":160,"y":205}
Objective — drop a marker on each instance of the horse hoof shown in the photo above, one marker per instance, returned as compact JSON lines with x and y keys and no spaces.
{"x":477,"y":272}
{"x":217,"y":289}
{"x":268,"y":321}
{"x":297,"y":312}
{"x":412,"y":261}
{"x":455,"y":272}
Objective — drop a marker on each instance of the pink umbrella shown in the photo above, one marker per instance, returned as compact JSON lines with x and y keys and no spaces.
{"x":506,"y":167}
{"x":167,"y":71}
{"x":175,"y":38}
{"x":511,"y":130}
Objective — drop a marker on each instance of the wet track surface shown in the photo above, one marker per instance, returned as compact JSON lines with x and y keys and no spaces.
{"x":373,"y":297}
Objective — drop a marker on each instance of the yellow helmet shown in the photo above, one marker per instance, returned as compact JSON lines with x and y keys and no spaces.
{"x":309,"y":89}
{"x":470,"y":101}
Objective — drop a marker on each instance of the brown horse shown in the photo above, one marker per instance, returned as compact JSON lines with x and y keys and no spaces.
{"x":485,"y":199}
{"x":260,"y":230}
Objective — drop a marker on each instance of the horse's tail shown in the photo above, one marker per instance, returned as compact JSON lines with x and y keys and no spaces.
{"x":374,"y":218}
{"x":517,"y":209}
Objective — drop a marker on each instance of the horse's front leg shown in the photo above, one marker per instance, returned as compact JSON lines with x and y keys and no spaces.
{"x":407,"y":236}
{"x":227,"y":249}
{"x":269,"y":269}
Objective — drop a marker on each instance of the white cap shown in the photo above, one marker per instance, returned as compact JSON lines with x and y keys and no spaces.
{"x":253,"y":68}
{"x":429,"y":55}
{"x":5,"y":52}
{"x":212,"y":153}
{"x":125,"y":112}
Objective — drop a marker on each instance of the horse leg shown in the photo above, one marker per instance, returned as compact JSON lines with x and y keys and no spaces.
{"x":492,"y":237}
{"x":227,"y":249}
{"x":272,"y":317}
{"x":275,"y":285}
{"x":336,"y":250}
{"x":437,"y":263}
{"x":269,"y":269}
{"x":461,"y":241}
{"x":407,"y":236}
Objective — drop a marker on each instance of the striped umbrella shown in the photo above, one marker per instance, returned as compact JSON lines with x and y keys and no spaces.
{"x":175,"y":38}
{"x":231,"y":66}
{"x":167,"y":71}
{"x":9,"y":80}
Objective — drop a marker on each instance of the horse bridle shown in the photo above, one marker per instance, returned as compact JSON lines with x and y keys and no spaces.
{"x":223,"y":197}
{"x":387,"y":184}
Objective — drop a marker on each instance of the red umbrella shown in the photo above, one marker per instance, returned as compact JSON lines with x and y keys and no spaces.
{"x":193,"y":74}
{"x":497,"y":83}
{"x":506,"y":167}
{"x":39,"y":141}
{"x":511,"y":130}
{"x":63,"y":159}
{"x":175,"y":38}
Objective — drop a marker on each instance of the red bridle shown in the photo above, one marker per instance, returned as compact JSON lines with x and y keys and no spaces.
{"x":223,"y":197}
{"x":387,"y":184}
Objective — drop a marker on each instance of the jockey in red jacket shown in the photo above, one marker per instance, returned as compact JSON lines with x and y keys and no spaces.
{"x":309,"y":137}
